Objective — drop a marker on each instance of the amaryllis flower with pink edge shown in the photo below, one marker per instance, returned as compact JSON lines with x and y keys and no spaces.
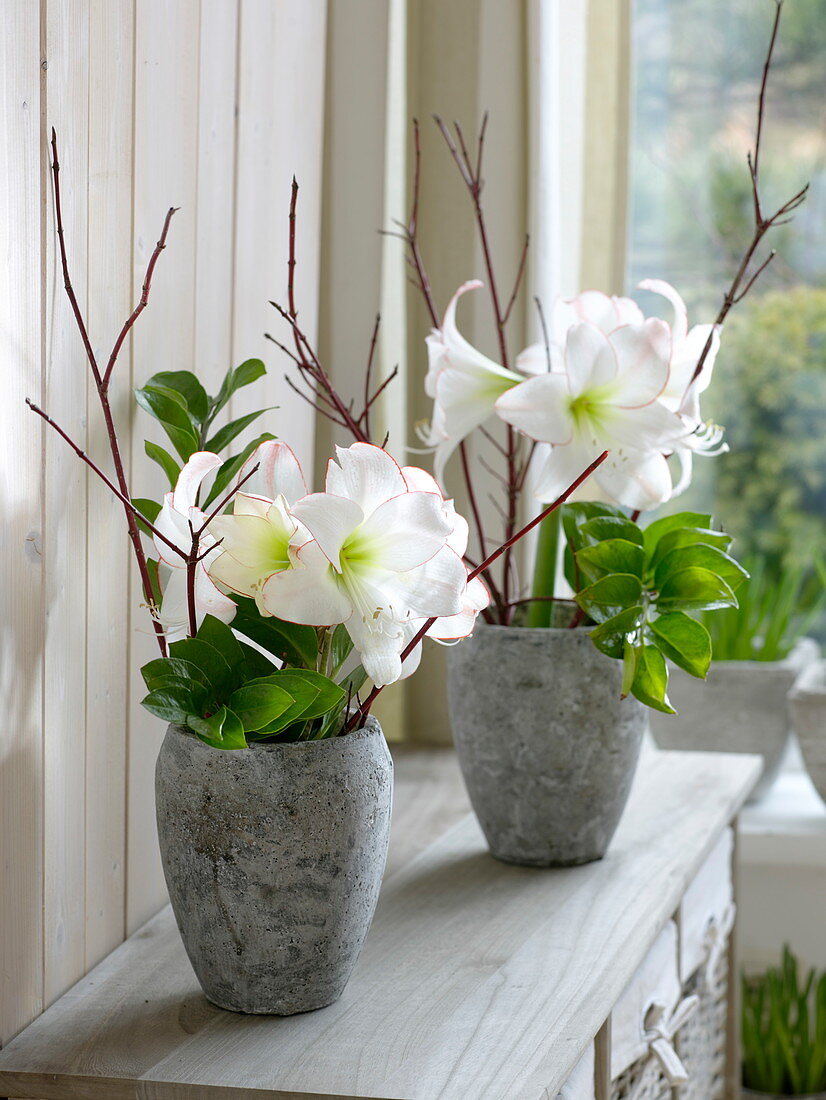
{"x":605,"y":398}
{"x":463,"y":383}
{"x":378,"y":557}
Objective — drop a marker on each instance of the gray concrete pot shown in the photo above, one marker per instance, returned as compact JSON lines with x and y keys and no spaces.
{"x":547,"y":747}
{"x":273,"y":856}
{"x":807,"y":701}
{"x":741,"y":707}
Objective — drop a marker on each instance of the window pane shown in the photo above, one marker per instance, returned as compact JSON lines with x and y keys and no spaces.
{"x":697,"y":66}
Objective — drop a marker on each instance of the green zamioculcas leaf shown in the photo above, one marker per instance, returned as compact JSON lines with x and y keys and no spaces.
{"x":289,"y":642}
{"x":221,"y":730}
{"x":218,"y":673}
{"x":630,"y":660}
{"x":220,"y":637}
{"x":187,"y":386}
{"x":170,"y":411}
{"x":660,"y":527}
{"x":574,"y":516}
{"x":165,"y":460}
{"x":607,"y":597}
{"x":695,"y":589}
{"x":227,"y":471}
{"x":341,"y":648}
{"x":611,"y":556}
{"x":609,"y":637}
{"x":259,"y":702}
{"x":173,"y":702}
{"x":224,"y":436}
{"x":163,"y":668}
{"x":249,"y":371}
{"x":705,"y":557}
{"x":651,"y":680}
{"x":611,"y":527}
{"x":685,"y":641}
{"x":689,"y":536}
{"x":256,"y":664}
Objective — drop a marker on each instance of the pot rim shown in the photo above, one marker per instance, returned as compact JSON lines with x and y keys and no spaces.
{"x":811,"y":683}
{"x":794,"y":659}
{"x":529,"y":630}
{"x":370,"y":729}
{"x":782,"y":1095}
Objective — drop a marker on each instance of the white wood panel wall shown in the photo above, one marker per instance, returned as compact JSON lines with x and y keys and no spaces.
{"x":209,"y":105}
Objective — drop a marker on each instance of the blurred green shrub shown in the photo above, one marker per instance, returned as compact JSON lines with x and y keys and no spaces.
{"x":769,"y":391}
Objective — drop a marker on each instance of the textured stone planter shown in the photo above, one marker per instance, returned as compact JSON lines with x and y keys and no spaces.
{"x":807,"y":701}
{"x":547,"y":747}
{"x":273,"y":856}
{"x":741,"y":707}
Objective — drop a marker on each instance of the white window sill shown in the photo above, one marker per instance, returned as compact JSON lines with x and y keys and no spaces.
{"x":788,"y":826}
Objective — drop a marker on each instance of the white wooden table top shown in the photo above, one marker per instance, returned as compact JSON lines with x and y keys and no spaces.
{"x":478,"y":980}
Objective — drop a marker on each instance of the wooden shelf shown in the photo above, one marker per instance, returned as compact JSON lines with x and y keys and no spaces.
{"x":477,"y":979}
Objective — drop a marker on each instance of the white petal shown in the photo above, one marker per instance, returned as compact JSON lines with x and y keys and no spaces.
{"x":650,"y":428}
{"x":535,"y":360}
{"x":539,"y":407}
{"x":173,"y":526}
{"x":418,"y":480}
{"x":279,"y":472}
{"x":598,"y":309}
{"x":590,"y":360}
{"x":451,"y":627}
{"x":405,"y":531}
{"x":365,"y":474}
{"x":210,"y":600}
{"x":308,"y":593}
{"x":660,"y":286}
{"x":643,"y":353}
{"x":189,"y":480}
{"x":330,"y":519}
{"x":436,"y":588}
{"x":379,"y":650}
{"x":639,"y":484}
{"x":563,"y":467}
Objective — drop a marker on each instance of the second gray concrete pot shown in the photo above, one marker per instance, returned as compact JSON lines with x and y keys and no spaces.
{"x":741,"y":707}
{"x":274,"y":856}
{"x":546,"y":746}
{"x":807,"y":701}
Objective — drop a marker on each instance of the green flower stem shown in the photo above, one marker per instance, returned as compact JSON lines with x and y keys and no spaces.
{"x":544,"y":574}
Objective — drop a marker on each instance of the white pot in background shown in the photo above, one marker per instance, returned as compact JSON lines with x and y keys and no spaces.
{"x":741,"y":707}
{"x":807,"y":701}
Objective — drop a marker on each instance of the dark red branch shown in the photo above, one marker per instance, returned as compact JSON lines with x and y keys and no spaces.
{"x":144,"y":299}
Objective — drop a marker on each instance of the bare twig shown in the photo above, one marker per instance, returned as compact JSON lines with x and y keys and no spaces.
{"x":762,"y":224}
{"x":368,"y":373}
{"x":102,"y":381}
{"x":520,"y":271}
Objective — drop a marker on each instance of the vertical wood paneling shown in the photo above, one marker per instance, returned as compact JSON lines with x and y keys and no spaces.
{"x":167,"y":38}
{"x":281,"y":102}
{"x":109,"y":223}
{"x":215,"y":225}
{"x":64,"y":545}
{"x":21,"y":618}
{"x":145,"y":98}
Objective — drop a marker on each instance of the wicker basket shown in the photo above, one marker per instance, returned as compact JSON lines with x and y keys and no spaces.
{"x":701,"y":1044}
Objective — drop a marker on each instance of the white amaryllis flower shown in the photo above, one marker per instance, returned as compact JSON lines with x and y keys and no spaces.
{"x":463,"y":383}
{"x":179,"y":510}
{"x":606,"y":398}
{"x":682,"y":392}
{"x":378,"y":559}
{"x":261,"y":535}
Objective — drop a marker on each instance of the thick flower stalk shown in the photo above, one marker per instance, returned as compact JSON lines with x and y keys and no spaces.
{"x":380,"y":550}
